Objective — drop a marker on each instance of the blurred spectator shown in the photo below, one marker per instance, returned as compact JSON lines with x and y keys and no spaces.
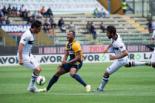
{"x":4,"y":10}
{"x":7,"y":20}
{"x":18,"y":10}
{"x":31,"y":18}
{"x":71,"y":26}
{"x":99,"y":13}
{"x":43,"y":10}
{"x":46,"y":25}
{"x":2,"y":17}
{"x":102,"y":27}
{"x":96,"y":12}
{"x":52,"y":22}
{"x":9,"y":10}
{"x":88,"y":26}
{"x":93,"y":31}
{"x":25,"y":16}
{"x":124,"y":6}
{"x":102,"y":13}
{"x":52,"y":27}
{"x":22,"y":10}
{"x":37,"y":15}
{"x":14,"y":11}
{"x":149,"y":24}
{"x":61,"y":25}
{"x":48,"y":13}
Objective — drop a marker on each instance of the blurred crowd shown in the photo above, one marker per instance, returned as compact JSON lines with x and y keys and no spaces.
{"x":47,"y":18}
{"x":22,"y":11}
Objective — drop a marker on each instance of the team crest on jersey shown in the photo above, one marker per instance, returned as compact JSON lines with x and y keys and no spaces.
{"x":69,"y":46}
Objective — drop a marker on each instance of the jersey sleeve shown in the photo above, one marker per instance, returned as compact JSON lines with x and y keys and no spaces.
{"x":24,"y":39}
{"x":76,"y":47}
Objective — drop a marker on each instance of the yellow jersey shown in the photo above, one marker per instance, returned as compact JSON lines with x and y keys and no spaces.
{"x":73,"y":48}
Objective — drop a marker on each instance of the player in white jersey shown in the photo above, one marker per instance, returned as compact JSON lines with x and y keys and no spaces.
{"x":120,"y":57}
{"x":25,"y":56}
{"x":153,"y":54}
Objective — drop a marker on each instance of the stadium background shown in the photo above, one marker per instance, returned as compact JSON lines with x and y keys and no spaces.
{"x":132,"y":26}
{"x":49,"y":49}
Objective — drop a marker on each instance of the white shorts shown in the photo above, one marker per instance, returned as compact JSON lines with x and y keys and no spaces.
{"x":29,"y":61}
{"x":116,"y":65}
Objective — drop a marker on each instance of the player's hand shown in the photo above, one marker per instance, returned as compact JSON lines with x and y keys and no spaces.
{"x":105,"y":50}
{"x":112,"y":57}
{"x":20,"y":61}
{"x":63,"y":62}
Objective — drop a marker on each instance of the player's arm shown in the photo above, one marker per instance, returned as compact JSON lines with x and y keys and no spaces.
{"x":20,"y":51}
{"x":64,"y":61}
{"x":77,"y":58}
{"x":107,"y":48}
{"x":123,"y":54}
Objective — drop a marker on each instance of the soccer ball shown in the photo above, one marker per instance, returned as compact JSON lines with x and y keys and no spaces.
{"x":40,"y":80}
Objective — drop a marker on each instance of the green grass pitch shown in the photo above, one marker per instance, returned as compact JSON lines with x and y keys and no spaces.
{"x":128,"y":85}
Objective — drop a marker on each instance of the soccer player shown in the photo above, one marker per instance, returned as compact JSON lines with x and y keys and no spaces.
{"x":25,"y":56}
{"x":74,"y":52}
{"x":120,"y":57}
{"x":152,"y":63}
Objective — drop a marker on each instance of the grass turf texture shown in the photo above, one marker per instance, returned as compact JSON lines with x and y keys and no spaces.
{"x":128,"y":85}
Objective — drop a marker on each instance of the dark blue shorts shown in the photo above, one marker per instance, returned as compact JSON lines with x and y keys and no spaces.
{"x":67,"y":67}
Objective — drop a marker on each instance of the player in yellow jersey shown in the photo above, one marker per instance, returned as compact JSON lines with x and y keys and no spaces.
{"x":72,"y":62}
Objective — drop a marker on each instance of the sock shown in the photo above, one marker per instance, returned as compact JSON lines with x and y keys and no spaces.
{"x":136,"y":63}
{"x":33,"y":80}
{"x":52,"y":81}
{"x":79,"y":79}
{"x":103,"y":83}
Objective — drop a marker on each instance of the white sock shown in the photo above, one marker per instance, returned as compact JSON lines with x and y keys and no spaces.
{"x":136,"y":63}
{"x":103,"y":83}
{"x":32,"y":81}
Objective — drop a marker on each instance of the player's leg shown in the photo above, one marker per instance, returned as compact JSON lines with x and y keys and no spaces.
{"x":30,"y":62}
{"x":32,"y":87}
{"x":73,"y":73}
{"x":111,"y":69}
{"x":153,"y":59}
{"x":76,"y":76}
{"x":132,"y":63}
{"x":104,"y":81}
{"x":55,"y":77}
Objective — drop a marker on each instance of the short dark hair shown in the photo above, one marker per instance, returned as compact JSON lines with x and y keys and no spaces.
{"x":36,"y":24}
{"x":73,"y":32}
{"x":111,"y":29}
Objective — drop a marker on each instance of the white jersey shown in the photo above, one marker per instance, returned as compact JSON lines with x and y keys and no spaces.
{"x":27,"y":39}
{"x":118,"y":46}
{"x":28,"y":59}
{"x":153,"y":54}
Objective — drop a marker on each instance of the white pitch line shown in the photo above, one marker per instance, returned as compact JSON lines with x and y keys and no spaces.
{"x":77,"y":94}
